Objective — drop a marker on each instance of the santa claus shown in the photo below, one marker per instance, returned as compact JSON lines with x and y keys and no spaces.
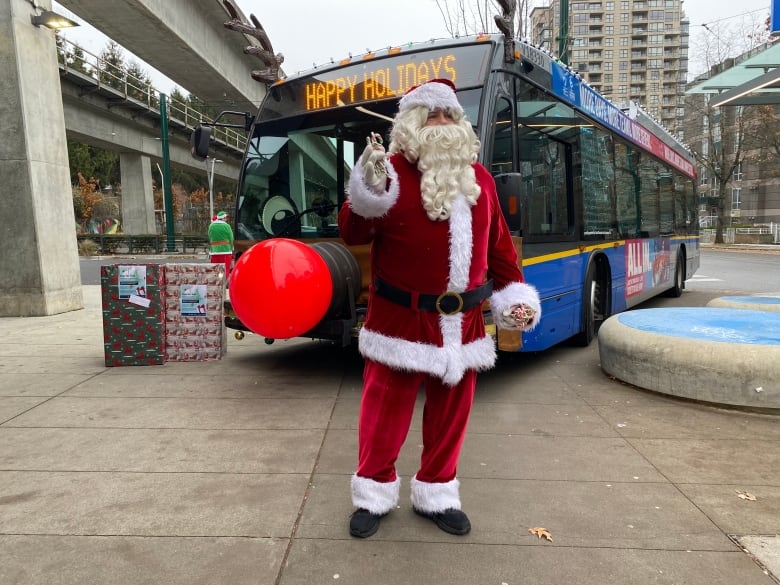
{"x":440,"y":248}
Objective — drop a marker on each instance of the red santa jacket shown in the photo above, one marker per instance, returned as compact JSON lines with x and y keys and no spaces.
{"x":416,"y":254}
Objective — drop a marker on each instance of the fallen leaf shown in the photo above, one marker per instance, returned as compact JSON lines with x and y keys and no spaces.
{"x":540,"y":532}
{"x":746,"y":496}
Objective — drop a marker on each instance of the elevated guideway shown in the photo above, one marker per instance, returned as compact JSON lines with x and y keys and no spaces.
{"x":120,"y":120}
{"x":186,"y":41}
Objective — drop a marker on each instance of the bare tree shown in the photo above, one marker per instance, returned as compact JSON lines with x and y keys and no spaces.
{"x":723,"y":139}
{"x":713,"y":43}
{"x":466,"y":17}
{"x":719,"y":141}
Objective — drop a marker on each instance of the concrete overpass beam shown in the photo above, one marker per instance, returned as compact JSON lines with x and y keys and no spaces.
{"x":39,"y":260}
{"x":137,"y":194}
{"x":187,"y":41}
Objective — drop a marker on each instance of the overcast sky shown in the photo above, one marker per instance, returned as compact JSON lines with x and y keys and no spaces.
{"x":307,"y":32}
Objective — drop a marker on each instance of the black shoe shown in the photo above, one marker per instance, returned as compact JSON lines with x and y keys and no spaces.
{"x":363,"y":523}
{"x":451,"y":520}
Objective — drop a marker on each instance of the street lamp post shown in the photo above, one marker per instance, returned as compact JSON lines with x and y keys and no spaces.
{"x":211,"y":186}
{"x":166,"y":170}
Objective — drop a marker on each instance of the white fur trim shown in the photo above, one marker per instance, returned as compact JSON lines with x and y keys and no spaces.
{"x":515,"y":294}
{"x":451,"y":327}
{"x":432,"y":95}
{"x":435,"y":497}
{"x":376,"y":497}
{"x":366,"y":202}
{"x":461,"y":239}
{"x":448,"y":363}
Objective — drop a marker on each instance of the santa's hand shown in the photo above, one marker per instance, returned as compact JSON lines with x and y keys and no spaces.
{"x":373,"y":163}
{"x":517,"y":317}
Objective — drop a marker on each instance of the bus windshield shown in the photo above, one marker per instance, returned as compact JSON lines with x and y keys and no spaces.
{"x":295,"y":173}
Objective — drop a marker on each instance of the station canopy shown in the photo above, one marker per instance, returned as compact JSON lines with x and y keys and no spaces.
{"x":754,"y":81}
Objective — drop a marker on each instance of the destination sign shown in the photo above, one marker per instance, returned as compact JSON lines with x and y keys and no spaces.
{"x":379,"y":84}
{"x":390,"y":77}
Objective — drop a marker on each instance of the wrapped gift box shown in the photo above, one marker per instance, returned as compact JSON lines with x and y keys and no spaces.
{"x":133,"y":314}
{"x":194,"y":312}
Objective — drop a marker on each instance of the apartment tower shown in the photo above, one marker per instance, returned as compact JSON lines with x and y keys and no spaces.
{"x":628,"y":50}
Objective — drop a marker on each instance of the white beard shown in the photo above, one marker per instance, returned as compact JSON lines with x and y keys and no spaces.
{"x":445,"y":158}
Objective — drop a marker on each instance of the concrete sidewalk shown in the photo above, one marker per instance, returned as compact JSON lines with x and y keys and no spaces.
{"x":237,"y":472}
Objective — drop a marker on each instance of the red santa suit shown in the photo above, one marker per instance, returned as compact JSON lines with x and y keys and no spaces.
{"x":405,"y":347}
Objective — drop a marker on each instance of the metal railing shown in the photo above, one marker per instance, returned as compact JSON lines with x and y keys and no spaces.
{"x":118,"y":244}
{"x":765,"y":234}
{"x":74,"y":59}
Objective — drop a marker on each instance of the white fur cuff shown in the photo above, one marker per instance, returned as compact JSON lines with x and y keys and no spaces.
{"x":376,"y":497}
{"x":435,"y":497}
{"x":515,"y":294}
{"x":368,"y":203}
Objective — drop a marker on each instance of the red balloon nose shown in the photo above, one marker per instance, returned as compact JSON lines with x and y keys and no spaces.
{"x":280,"y":288}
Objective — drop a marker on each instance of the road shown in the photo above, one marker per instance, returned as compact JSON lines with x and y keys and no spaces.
{"x":737,"y":271}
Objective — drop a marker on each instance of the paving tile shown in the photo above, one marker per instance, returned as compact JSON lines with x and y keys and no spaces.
{"x":46,"y":364}
{"x":734,"y":515}
{"x":129,"y":560}
{"x":689,"y":420}
{"x":150,"y":504}
{"x":714,"y":460}
{"x":15,"y":406}
{"x":765,"y":549}
{"x":183,"y":384}
{"x":39,"y":384}
{"x":193,"y":413}
{"x":353,"y":562}
{"x":159,"y":450}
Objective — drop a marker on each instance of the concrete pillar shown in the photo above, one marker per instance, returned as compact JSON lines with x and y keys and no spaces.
{"x":39,"y":263}
{"x":137,"y":194}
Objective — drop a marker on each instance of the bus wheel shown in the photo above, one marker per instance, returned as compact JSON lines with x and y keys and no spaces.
{"x":595,"y":305}
{"x":679,"y":277}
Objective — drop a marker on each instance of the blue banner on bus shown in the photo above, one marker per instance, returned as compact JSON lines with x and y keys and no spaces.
{"x":573,"y":91}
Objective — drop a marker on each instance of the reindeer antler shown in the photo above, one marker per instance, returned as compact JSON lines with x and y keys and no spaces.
{"x":265,"y":52}
{"x":506,"y":24}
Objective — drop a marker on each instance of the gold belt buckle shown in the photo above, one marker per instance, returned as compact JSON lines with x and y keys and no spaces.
{"x":441,"y":297}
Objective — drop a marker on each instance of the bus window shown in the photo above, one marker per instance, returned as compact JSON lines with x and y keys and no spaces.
{"x":598,"y":184}
{"x":650,"y":210}
{"x":290,"y":186}
{"x":502,"y":139}
{"x":545,"y":127}
{"x":666,"y":202}
{"x":627,"y":191}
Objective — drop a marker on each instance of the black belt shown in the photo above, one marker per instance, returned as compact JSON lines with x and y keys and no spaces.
{"x":447,"y":303}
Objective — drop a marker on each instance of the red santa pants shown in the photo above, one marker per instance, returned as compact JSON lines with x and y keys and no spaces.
{"x":386,"y":411}
{"x":226,"y":259}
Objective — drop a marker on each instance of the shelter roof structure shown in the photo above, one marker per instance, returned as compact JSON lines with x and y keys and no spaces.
{"x":754,"y":81}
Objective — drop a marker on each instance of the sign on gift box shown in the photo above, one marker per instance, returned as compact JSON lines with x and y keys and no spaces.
{"x":194,"y":312}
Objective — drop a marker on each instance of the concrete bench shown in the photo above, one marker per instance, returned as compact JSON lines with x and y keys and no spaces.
{"x":702,"y":353}
{"x":747,"y":302}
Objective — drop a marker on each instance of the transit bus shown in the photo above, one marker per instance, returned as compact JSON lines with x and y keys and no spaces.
{"x":601,"y":202}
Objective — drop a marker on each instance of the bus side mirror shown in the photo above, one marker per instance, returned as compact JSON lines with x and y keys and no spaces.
{"x":509,"y":188}
{"x":200,"y":142}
